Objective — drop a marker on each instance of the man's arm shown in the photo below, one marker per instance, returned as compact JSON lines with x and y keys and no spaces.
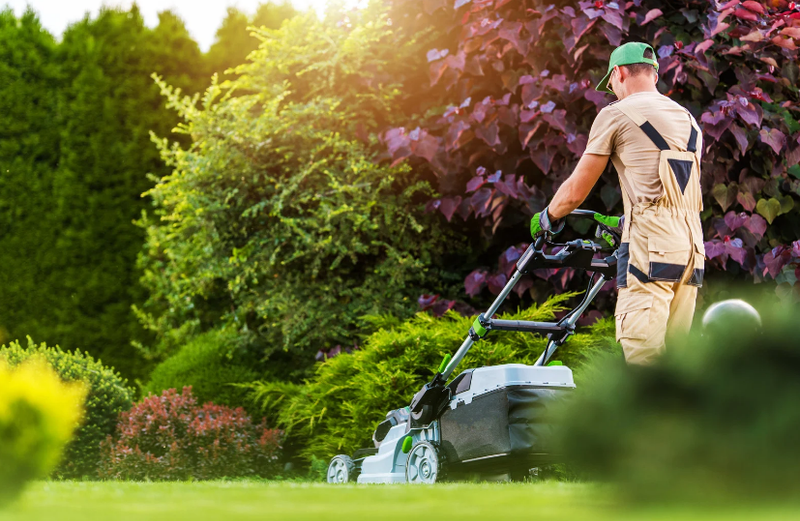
{"x":577,"y":187}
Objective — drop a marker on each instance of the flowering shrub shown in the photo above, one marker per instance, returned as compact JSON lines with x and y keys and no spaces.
{"x":519,"y":100}
{"x":170,"y":437}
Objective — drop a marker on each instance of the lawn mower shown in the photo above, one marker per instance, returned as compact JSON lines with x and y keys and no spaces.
{"x":487,"y":421}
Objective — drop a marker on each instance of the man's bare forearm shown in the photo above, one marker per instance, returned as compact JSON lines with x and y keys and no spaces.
{"x":568,"y":198}
{"x":578,"y":186}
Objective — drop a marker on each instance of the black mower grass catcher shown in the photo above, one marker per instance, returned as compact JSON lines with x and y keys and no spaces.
{"x":489,"y":421}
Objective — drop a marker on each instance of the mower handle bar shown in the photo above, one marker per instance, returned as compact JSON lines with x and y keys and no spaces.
{"x":568,"y":322}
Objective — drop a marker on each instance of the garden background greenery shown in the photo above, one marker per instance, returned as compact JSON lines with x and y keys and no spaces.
{"x":298,"y":224}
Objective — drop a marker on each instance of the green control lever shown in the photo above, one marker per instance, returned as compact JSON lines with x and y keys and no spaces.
{"x":444,"y":363}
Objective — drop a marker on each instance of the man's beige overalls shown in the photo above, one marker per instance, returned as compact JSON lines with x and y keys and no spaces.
{"x":661,"y":259}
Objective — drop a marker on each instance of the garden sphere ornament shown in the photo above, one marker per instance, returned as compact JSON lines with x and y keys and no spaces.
{"x":731,"y":316}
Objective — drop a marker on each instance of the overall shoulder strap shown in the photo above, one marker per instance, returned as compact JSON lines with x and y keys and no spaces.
{"x":627,"y":190}
{"x":691,"y":146}
{"x":645,"y":125}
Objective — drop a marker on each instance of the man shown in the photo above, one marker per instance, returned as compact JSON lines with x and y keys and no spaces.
{"x":655,"y":146}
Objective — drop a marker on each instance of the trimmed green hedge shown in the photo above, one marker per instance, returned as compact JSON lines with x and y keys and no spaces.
{"x":108,"y":395}
{"x":210,"y":365}
{"x":337,"y":409}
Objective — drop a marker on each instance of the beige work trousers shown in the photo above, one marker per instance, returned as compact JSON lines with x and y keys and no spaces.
{"x":643,"y":331}
{"x":665,"y":270}
{"x":661,"y":260}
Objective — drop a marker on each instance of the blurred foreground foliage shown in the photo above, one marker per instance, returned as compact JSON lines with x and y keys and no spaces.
{"x":337,"y":409}
{"x":107,"y":395}
{"x":716,"y":419}
{"x":38,"y":414}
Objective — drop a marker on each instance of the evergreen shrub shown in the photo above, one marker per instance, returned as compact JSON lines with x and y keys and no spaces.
{"x":107,"y":395}
{"x":337,"y":409}
{"x":211,"y":365}
{"x":38,"y":414}
{"x":170,"y":437}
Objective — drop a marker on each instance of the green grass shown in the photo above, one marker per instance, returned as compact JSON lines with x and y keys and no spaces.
{"x":244,"y":500}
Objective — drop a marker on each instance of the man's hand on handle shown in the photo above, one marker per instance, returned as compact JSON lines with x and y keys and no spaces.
{"x":610,"y":228}
{"x":541,"y":224}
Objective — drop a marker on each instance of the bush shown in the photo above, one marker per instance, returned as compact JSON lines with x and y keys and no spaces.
{"x":108,"y":395}
{"x":337,"y":409}
{"x":170,"y":437}
{"x":714,"y":419}
{"x":211,"y":366}
{"x":279,"y":216}
{"x":38,"y":415}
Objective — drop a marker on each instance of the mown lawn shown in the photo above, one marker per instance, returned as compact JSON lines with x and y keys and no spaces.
{"x":56,"y":501}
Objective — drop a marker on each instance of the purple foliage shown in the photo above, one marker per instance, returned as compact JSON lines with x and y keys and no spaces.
{"x":533,"y":66}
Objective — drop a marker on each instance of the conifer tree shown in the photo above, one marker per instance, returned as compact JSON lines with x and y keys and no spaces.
{"x":109,"y":106}
{"x":29,"y":153}
{"x":75,"y":152}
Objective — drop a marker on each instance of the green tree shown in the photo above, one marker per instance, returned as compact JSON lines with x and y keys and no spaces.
{"x":172,"y":52}
{"x":278,"y":218}
{"x":75,"y":152}
{"x":108,"y":107}
{"x":29,"y":153}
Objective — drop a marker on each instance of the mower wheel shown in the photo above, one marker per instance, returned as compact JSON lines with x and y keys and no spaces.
{"x":425,"y":463}
{"x":342,"y":469}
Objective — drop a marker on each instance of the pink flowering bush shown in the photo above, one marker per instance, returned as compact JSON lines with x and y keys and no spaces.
{"x":170,"y":437}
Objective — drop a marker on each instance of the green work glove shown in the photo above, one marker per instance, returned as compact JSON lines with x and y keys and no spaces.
{"x":609,"y":220}
{"x":541,"y":224}
{"x":610,"y":228}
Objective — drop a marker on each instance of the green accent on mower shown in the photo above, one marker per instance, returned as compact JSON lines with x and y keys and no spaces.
{"x":407,"y":443}
{"x":478,"y":327}
{"x":444,"y":363}
{"x":555,"y":362}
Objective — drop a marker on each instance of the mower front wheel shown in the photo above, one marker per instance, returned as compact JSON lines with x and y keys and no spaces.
{"x":342,"y":469}
{"x":425,"y":463}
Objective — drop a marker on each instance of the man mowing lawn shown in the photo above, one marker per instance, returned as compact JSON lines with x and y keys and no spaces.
{"x":655,"y":147}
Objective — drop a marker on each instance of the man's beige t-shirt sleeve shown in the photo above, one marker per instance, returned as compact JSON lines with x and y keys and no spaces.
{"x":602,"y":136}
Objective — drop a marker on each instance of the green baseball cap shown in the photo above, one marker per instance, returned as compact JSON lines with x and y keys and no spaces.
{"x":627,"y":54}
